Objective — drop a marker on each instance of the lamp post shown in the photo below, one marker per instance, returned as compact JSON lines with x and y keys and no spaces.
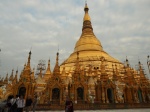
{"x":148,"y":63}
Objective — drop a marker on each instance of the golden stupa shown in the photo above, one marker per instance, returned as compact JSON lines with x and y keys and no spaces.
{"x":89,"y":47}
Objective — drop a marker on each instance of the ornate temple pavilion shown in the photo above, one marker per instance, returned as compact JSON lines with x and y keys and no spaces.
{"x":88,"y":75}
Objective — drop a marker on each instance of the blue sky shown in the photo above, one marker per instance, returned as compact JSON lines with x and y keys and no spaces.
{"x":122,"y":26}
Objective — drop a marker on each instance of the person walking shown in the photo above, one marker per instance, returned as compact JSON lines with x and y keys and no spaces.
{"x":28,"y":103}
{"x":69,"y":105}
{"x":8,"y":104}
{"x":21,"y":104}
{"x":35,"y":102}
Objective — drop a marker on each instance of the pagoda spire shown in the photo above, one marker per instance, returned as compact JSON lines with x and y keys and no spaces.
{"x":141,"y":70}
{"x":11,"y":77}
{"x":16,"y":74}
{"x":6,"y":79}
{"x":86,"y":16}
{"x":143,"y":79}
{"x":28,"y":63}
{"x":56,"y":68}
{"x":88,"y":40}
{"x":48,"y":71}
{"x":87,"y":19}
{"x":15,"y":78}
{"x":24,"y":66}
{"x":127,"y":62}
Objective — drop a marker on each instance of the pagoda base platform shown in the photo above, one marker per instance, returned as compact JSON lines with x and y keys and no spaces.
{"x":94,"y":106}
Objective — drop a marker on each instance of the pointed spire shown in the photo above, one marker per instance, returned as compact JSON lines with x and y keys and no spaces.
{"x":29,"y":57}
{"x":6,"y":79}
{"x":56,"y":68}
{"x":11,"y":77}
{"x":86,"y":16}
{"x":127,"y":62}
{"x":48,"y":71}
{"x":15,"y":78}
{"x":16,"y":74}
{"x":141,"y":69}
{"x":87,"y":20}
{"x":87,"y":41}
{"x":24,"y":66}
{"x":143,"y":79}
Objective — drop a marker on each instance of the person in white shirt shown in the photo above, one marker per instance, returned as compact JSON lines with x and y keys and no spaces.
{"x":21,"y":104}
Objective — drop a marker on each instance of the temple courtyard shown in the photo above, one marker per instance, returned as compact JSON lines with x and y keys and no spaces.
{"x":109,"y":110}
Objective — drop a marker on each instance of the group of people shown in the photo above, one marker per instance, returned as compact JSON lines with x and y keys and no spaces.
{"x":18,"y":104}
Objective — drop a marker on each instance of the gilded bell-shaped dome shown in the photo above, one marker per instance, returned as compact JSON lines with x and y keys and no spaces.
{"x":88,"y":42}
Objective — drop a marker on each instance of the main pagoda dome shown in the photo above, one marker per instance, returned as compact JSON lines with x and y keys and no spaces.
{"x":88,"y":46}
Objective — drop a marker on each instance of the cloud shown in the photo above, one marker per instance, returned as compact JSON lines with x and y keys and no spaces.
{"x":122,"y":26}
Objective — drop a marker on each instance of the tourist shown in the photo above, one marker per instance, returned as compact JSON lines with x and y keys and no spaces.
{"x":14,"y":104}
{"x":68,"y":105}
{"x":21,"y":104}
{"x":34,"y":102}
{"x":8,"y":104}
{"x":28,"y":103}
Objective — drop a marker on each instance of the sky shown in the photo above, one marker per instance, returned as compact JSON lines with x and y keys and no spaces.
{"x":48,"y":26}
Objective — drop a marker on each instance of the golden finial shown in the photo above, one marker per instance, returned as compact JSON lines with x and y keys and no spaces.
{"x":85,"y":3}
{"x":86,"y":16}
